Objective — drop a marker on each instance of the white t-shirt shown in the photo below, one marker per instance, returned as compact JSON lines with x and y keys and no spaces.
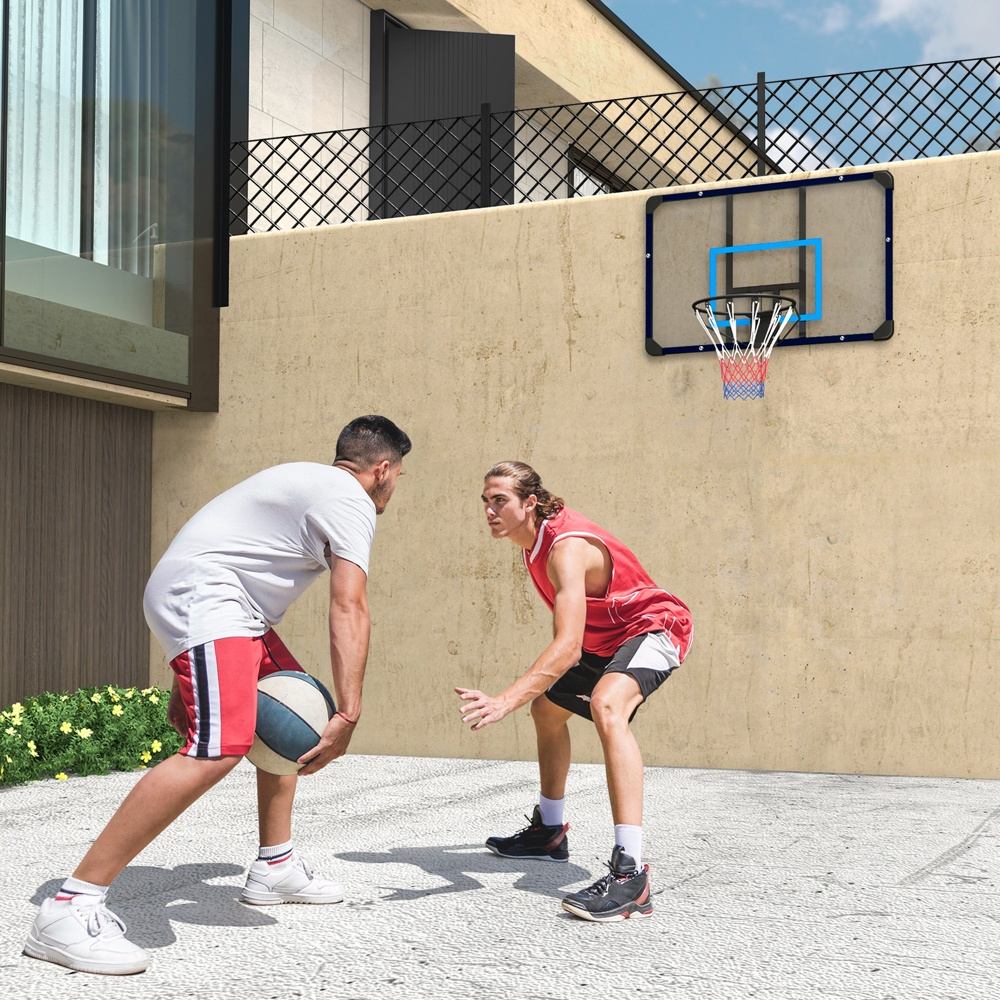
{"x":237,"y":565}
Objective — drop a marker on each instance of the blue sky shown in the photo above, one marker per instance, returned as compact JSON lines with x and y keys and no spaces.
{"x":709,"y":41}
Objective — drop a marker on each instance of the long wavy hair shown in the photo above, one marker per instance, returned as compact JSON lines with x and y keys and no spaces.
{"x":527,"y":482}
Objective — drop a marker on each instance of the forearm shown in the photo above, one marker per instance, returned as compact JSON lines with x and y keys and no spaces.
{"x":553,"y":662}
{"x":350,"y":628}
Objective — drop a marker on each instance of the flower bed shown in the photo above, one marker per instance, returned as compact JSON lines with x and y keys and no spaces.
{"x":91,"y":731}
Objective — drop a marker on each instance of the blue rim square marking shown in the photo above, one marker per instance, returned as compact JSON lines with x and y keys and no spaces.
{"x":815,"y":243}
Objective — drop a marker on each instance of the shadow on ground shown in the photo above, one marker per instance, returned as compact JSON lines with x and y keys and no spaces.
{"x":457,"y":864}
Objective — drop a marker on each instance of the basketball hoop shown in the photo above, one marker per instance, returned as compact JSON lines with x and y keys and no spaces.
{"x":732,"y":324}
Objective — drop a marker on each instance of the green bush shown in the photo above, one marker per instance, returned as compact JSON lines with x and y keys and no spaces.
{"x":92,"y":731}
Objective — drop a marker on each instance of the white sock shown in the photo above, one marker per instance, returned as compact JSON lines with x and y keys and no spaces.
{"x":277,"y":854}
{"x":77,"y":887}
{"x":629,"y":838}
{"x":551,"y":810}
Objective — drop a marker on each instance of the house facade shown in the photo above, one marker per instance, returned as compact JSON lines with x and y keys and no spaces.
{"x":117,"y":123}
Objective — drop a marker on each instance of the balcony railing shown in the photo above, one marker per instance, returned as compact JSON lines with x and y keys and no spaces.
{"x":633,"y":143}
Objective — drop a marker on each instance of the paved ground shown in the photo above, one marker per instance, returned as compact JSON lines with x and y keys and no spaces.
{"x":768,"y":885}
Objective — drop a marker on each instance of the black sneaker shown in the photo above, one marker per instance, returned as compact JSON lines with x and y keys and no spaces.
{"x":543,"y":843}
{"x":622,"y":893}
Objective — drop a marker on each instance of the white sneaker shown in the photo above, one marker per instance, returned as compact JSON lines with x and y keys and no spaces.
{"x":83,"y":934}
{"x":290,"y":882}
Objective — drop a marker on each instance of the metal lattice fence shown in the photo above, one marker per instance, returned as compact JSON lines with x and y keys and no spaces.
{"x":770,"y":127}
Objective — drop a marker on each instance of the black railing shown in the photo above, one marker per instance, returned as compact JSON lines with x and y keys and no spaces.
{"x":510,"y":157}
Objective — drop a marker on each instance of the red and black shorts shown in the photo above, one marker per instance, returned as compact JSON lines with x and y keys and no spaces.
{"x":218,"y":686}
{"x":648,"y":659}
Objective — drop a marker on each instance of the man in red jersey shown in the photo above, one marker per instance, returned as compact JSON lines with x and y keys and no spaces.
{"x":616,"y":638}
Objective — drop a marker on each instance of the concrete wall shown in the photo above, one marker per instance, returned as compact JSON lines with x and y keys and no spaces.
{"x":308,"y":66}
{"x":836,"y":541}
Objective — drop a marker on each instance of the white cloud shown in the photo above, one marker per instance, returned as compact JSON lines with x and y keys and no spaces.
{"x":827,"y":18}
{"x":949,"y":30}
{"x":793,"y":150}
{"x":835,"y":18}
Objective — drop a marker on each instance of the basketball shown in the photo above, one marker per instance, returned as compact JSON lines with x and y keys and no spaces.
{"x":292,"y":712}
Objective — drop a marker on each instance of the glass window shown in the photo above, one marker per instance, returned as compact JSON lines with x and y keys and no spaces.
{"x":110,"y":114}
{"x":587,"y":177}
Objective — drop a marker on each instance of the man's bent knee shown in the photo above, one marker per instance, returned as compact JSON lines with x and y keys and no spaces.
{"x":607,"y":711}
{"x":611,"y":710}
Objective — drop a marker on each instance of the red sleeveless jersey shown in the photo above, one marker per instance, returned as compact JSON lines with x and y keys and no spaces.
{"x":633,"y":604}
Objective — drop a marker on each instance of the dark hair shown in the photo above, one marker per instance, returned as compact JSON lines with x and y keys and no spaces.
{"x":526,"y":483}
{"x":368,"y":440}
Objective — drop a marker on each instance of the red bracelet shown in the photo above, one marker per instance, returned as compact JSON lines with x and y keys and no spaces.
{"x":350,"y":722}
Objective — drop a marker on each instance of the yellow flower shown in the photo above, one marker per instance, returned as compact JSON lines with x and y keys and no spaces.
{"x":117,"y":710}
{"x":146,"y":690}
{"x":61,"y":776}
{"x":95,"y":697}
{"x":10,"y":760}
{"x":154,"y":700}
{"x":64,"y":697}
{"x":31,"y":748}
{"x":130,"y":693}
{"x":15,"y":721}
{"x":10,"y":731}
{"x":17,"y":708}
{"x":141,"y":767}
{"x":66,"y":728}
{"x":111,"y":691}
{"x":156,"y":746}
{"x":115,"y":697}
{"x":145,"y":756}
{"x":85,"y":733}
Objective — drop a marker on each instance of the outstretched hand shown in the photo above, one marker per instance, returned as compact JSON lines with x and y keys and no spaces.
{"x":480,"y":710}
{"x":332,"y":744}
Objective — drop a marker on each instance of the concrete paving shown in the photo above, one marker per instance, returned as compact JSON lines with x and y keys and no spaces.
{"x":767,"y":885}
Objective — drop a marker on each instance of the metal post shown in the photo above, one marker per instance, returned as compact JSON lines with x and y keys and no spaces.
{"x":88,"y":97}
{"x":485,"y":154}
{"x":761,"y":127}
{"x":223,"y":150}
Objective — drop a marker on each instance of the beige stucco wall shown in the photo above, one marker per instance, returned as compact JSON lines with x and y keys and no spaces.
{"x":836,"y":541}
{"x":567,"y":51}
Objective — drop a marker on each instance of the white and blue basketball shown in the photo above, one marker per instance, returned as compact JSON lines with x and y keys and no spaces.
{"x":292,"y":712}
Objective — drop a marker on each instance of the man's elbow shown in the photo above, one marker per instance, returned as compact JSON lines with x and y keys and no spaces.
{"x":349,"y":606}
{"x":571,"y":650}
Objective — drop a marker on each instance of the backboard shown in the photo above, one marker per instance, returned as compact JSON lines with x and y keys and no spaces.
{"x":824,"y":242}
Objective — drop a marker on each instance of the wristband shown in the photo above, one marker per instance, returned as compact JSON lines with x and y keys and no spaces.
{"x":350,"y":722}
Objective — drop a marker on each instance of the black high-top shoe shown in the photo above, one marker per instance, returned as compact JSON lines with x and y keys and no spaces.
{"x":622,"y":893}
{"x":537,"y":841}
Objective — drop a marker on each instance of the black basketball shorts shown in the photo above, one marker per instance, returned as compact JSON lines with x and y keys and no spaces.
{"x":648,"y":659}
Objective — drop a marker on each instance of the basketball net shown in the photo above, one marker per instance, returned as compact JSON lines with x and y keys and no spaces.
{"x":743,"y":365}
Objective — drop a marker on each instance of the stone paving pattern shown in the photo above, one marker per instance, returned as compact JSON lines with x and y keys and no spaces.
{"x":767,"y":885}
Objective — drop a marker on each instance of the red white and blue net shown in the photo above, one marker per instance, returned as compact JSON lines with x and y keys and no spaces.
{"x":728,"y":318}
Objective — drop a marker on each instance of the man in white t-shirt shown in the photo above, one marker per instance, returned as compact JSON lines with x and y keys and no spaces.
{"x":212,"y":601}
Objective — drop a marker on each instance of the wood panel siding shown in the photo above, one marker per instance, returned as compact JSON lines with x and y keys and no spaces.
{"x":74,"y":542}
